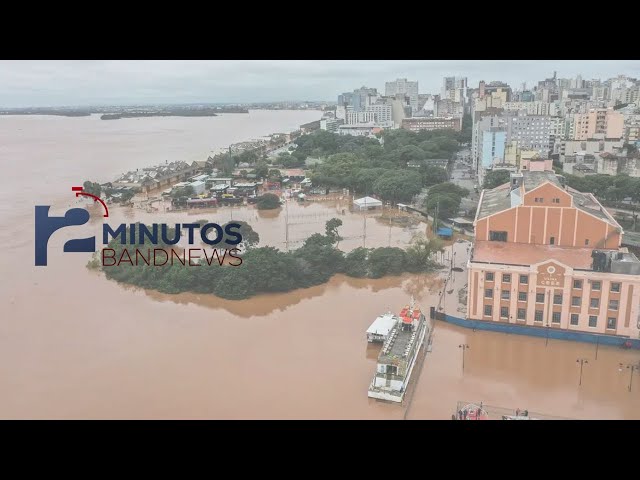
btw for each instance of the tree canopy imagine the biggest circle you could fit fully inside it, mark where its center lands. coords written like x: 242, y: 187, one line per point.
x: 268, y: 201
x: 395, y: 170
x: 267, y: 269
x: 495, y: 178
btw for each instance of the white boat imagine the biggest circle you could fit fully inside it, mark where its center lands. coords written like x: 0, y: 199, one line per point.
x: 399, y: 355
x: 380, y: 328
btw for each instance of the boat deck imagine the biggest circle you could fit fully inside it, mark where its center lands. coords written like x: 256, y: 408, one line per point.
x: 399, y: 344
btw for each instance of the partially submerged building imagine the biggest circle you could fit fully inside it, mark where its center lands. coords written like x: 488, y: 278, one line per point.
x: 546, y: 255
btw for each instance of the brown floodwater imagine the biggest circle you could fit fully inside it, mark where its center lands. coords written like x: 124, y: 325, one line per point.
x: 74, y: 345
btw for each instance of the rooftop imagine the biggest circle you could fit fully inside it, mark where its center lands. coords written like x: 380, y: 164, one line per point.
x: 494, y: 200
x: 529, y: 254
x: 499, y: 199
x: 383, y: 324
x: 535, y: 179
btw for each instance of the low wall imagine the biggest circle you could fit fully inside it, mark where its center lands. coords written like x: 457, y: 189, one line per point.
x: 538, y: 331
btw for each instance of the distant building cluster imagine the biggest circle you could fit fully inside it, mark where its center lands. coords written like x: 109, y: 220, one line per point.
x: 591, y: 126
x: 364, y: 111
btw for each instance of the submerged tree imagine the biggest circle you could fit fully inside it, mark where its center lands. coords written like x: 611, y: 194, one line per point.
x: 331, y: 230
x: 420, y: 251
x: 268, y: 201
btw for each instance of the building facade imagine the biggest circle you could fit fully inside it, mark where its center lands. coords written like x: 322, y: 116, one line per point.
x: 549, y: 256
x: 416, y: 124
x: 454, y: 89
x: 382, y: 111
x: 404, y: 87
x: 598, y: 123
x: 330, y: 124
x: 532, y: 132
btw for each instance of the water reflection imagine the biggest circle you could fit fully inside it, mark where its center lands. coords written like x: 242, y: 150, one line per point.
x: 266, y: 304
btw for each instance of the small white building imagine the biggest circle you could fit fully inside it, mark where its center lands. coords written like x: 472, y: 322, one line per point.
x: 202, y: 178
x: 381, y: 327
x: 198, y: 186
x: 367, y: 203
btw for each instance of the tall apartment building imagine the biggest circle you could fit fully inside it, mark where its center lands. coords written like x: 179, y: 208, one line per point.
x: 483, y: 120
x: 598, y: 123
x: 359, y: 99
x: 493, y: 143
x: 404, y: 87
x: 447, y: 107
x: 454, y: 89
x: 548, y: 256
x: 360, y: 117
x: 532, y: 132
x: 494, y: 89
x: 382, y: 111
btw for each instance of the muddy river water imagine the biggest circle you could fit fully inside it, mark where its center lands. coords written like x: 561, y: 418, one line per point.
x: 74, y: 345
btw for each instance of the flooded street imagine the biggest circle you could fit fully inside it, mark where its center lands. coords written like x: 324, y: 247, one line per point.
x: 75, y: 345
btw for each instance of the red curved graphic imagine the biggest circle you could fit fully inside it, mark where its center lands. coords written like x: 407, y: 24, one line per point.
x: 79, y: 191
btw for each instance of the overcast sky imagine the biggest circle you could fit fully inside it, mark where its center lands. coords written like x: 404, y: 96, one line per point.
x: 82, y: 82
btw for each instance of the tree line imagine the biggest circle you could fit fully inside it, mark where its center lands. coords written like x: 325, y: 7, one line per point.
x: 268, y: 270
x: 395, y: 167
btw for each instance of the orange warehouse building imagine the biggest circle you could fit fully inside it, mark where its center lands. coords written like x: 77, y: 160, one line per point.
x: 547, y: 255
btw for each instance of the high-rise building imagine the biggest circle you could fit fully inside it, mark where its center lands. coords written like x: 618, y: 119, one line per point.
x: 359, y: 99
x: 454, y: 89
x: 532, y: 132
x: 598, y: 123
x: 404, y: 87
x: 548, y: 256
x: 383, y: 113
x: 354, y: 118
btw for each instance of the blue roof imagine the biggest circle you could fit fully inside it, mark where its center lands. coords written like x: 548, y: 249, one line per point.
x: 445, y: 231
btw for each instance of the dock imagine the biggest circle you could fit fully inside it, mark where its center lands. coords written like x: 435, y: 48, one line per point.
x: 489, y: 412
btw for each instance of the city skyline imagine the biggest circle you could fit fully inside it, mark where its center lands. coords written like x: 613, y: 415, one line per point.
x: 115, y: 82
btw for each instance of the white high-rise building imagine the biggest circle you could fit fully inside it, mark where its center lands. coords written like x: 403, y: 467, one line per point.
x: 383, y: 113
x: 454, y: 89
x: 404, y: 87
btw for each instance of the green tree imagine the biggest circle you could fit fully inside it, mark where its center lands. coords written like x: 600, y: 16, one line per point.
x: 250, y: 237
x: 397, y: 186
x: 449, y: 188
x: 446, y: 204
x: 234, y: 283
x: 261, y: 170
x: 364, y: 178
x: 275, y: 175
x: 93, y: 188
x: 410, y: 154
x: 420, y: 251
x: 467, y: 129
x: 331, y: 229
x: 268, y: 201
x: 495, y: 178
x: 386, y: 261
x: 432, y: 175
x: 356, y: 264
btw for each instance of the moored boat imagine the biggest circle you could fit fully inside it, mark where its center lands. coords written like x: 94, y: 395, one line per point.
x: 399, y: 355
